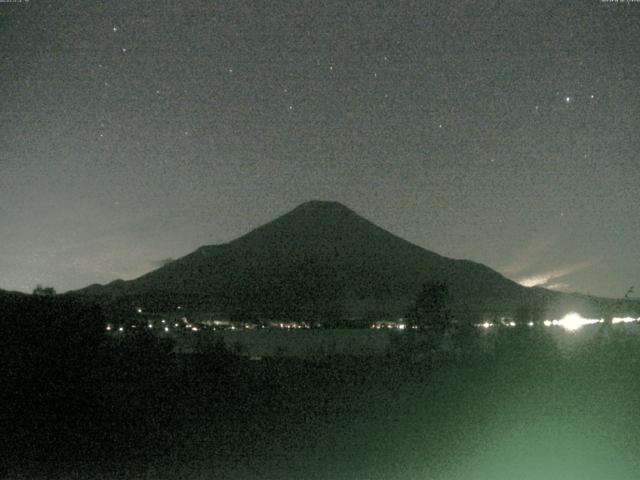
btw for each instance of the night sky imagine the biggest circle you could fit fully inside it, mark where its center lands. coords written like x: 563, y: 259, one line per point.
x: 502, y: 132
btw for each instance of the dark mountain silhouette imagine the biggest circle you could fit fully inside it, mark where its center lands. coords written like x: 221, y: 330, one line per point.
x: 320, y: 259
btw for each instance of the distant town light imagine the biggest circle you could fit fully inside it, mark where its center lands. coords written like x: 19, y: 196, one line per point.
x: 150, y: 325
x: 166, y: 329
x: 108, y: 328
x: 121, y: 329
x: 624, y: 320
x: 139, y: 309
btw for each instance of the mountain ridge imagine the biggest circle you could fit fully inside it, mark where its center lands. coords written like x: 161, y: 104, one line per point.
x: 323, y: 259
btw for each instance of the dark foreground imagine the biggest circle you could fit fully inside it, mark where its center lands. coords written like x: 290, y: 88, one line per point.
x: 521, y: 412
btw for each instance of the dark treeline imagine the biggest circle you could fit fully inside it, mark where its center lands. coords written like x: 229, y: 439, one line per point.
x: 59, y: 369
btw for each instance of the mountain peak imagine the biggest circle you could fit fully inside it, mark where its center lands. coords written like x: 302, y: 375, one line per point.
x: 314, y: 220
x: 322, y: 205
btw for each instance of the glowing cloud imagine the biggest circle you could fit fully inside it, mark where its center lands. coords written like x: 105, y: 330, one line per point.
x: 546, y: 277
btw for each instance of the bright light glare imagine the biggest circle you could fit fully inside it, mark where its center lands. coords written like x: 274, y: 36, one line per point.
x: 574, y: 321
x: 624, y: 320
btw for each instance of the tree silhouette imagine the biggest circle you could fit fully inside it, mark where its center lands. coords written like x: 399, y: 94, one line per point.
x: 44, y: 291
x: 431, y: 312
x: 627, y: 295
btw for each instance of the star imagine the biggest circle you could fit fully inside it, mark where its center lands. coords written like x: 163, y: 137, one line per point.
x: 567, y: 99
x: 115, y: 28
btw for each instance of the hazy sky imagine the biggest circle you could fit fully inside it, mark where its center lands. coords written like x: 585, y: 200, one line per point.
x: 505, y: 132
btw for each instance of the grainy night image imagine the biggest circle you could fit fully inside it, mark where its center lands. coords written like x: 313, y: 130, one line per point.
x: 318, y: 240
